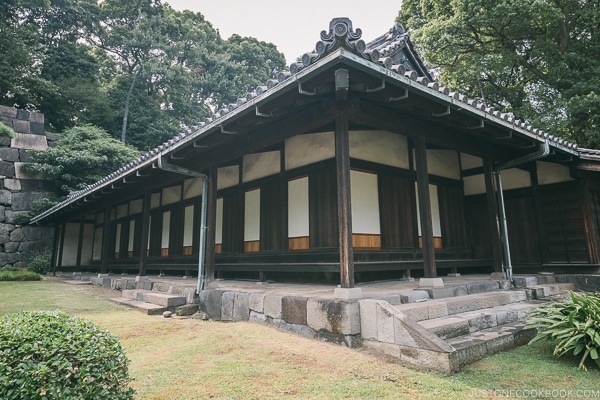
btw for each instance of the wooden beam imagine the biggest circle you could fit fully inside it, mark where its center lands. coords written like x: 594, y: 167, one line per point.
x: 342, y: 162
x: 493, y: 219
x: 425, y: 208
x: 80, y: 241
x: 211, y: 219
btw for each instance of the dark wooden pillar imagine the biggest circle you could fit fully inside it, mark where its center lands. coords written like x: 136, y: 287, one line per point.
x: 342, y: 163
x: 145, y: 233
x: 425, y: 208
x: 211, y: 221
x: 105, y: 242
x: 80, y: 242
x: 61, y: 245
x: 493, y: 218
x: 55, y: 247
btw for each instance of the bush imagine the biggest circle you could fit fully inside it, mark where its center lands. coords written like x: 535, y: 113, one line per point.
x: 18, y: 274
x: 41, y: 262
x: 7, y: 131
x: 51, y: 355
x: 572, y: 326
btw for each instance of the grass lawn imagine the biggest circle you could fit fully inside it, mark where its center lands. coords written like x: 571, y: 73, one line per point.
x: 194, y: 359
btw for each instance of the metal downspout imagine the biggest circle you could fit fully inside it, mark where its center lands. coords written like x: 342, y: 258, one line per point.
x: 165, y: 166
x: 542, y: 151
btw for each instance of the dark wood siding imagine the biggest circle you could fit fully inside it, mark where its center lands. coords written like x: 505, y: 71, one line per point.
x: 563, y: 224
x: 322, y: 194
x: 396, y: 211
x: 452, y: 217
x: 522, y: 230
x: 233, y: 218
x: 271, y: 216
x: 478, y: 227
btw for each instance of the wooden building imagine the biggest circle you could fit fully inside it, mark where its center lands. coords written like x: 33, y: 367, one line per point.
x: 355, y: 164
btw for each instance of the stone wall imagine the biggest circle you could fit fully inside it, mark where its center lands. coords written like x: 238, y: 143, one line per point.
x: 19, y: 189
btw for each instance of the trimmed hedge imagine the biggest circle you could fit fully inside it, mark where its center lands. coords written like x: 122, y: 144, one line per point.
x: 51, y: 355
x: 18, y: 274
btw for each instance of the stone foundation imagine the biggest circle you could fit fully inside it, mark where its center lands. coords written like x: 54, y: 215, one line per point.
x: 19, y: 189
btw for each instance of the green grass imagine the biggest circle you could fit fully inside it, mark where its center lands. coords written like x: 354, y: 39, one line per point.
x: 193, y: 359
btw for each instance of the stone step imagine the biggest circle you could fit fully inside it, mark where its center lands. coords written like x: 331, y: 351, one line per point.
x: 477, y: 345
x: 132, y: 293
x: 161, y: 299
x: 473, y: 321
x: 146, y: 308
x: 455, y: 305
x: 545, y: 290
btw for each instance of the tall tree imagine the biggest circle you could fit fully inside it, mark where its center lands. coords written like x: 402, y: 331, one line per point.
x: 539, y: 59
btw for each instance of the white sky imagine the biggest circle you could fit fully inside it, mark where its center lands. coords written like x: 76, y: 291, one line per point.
x: 293, y: 26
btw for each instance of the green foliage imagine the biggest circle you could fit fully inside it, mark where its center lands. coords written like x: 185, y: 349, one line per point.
x: 38, y: 207
x: 18, y: 274
x: 51, y: 355
x: 81, y: 157
x: 573, y: 326
x: 6, y: 131
x: 41, y: 262
x: 534, y: 58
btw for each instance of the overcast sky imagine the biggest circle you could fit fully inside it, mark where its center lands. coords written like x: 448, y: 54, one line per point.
x: 293, y: 26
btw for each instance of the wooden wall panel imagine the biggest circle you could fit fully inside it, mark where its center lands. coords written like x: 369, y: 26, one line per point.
x: 396, y: 202
x: 522, y: 230
x: 233, y: 230
x: 452, y: 217
x: 299, y: 243
x: 478, y: 228
x: 322, y: 194
x: 363, y: 241
x: 272, y: 236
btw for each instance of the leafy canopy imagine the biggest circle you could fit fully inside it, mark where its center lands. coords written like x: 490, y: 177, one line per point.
x: 82, y: 156
x: 539, y: 59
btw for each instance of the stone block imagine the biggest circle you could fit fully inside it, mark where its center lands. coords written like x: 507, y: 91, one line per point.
x: 17, y: 235
x: 460, y: 290
x: 21, y: 127
x: 7, y: 169
x: 335, y: 316
x: 36, y: 117
x: 414, y: 296
x: 14, y: 185
x: 272, y: 306
x: 431, y: 282
x: 440, y: 292
x: 29, y: 142
x: 210, y: 302
x: 34, y: 246
x: 8, y: 154
x: 368, y: 318
x: 8, y: 112
x: 448, y: 327
x: 5, y: 197
x: 36, y: 128
x: 524, y: 281
x: 189, y: 292
x: 299, y: 329
x: 385, y: 325
x: 187, y: 309
x: 241, y: 308
x: 498, y: 276
x: 475, y: 287
x: 24, y: 200
x: 11, y: 247
x: 257, y: 302
x: 436, y: 310
x: 393, y: 299
x: 143, y: 285
x: 389, y: 349
x: 24, y: 155
x: 8, y: 258
x: 460, y: 305
x: 506, y: 317
x: 22, y: 114
x: 293, y: 309
x: 348, y: 293
x: 227, y: 306
x: 257, y: 317
x: 427, y: 359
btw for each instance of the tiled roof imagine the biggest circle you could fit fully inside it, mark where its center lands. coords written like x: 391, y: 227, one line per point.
x: 392, y: 50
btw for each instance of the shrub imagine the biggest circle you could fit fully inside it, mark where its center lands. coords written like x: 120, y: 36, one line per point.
x: 7, y: 131
x: 572, y: 326
x: 51, y: 355
x: 18, y: 274
x: 41, y: 262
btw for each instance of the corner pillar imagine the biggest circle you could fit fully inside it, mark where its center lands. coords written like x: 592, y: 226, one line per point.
x: 429, y: 265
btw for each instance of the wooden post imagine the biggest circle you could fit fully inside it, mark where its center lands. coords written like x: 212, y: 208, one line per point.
x: 55, y: 247
x: 211, y: 220
x: 430, y: 269
x: 342, y: 163
x: 145, y: 233
x: 80, y: 242
x: 61, y: 244
x: 105, y: 242
x: 492, y: 207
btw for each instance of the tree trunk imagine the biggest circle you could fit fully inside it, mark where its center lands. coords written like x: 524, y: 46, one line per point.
x: 126, y: 112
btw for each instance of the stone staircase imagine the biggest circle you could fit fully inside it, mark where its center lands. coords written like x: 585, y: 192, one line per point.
x: 449, y: 332
x: 149, y: 302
